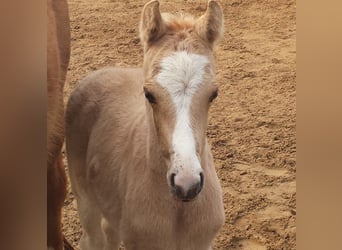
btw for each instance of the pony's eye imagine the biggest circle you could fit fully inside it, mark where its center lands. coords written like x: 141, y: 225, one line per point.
x: 213, y: 96
x: 149, y: 96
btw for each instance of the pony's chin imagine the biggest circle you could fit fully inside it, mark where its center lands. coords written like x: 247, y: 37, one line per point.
x: 187, y: 200
x: 177, y: 199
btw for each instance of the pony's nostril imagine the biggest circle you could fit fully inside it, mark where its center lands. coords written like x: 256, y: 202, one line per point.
x: 202, y: 180
x: 172, y: 179
x: 194, y: 191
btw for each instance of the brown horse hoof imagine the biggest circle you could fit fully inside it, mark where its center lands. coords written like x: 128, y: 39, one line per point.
x: 67, y: 245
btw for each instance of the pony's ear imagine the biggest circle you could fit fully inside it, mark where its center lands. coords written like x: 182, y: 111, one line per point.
x: 210, y: 25
x: 152, y: 26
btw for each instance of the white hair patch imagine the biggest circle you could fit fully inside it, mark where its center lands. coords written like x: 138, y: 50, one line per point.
x: 181, y: 75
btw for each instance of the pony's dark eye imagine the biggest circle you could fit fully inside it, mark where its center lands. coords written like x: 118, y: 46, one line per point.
x: 213, y: 96
x: 149, y: 96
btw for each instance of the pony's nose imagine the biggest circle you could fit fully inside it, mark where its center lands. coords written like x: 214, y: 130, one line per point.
x: 187, y: 187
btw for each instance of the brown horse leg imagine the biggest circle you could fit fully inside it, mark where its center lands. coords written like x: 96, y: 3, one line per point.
x: 56, y: 189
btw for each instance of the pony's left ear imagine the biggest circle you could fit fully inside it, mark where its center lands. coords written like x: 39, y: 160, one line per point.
x: 152, y: 26
x: 210, y: 25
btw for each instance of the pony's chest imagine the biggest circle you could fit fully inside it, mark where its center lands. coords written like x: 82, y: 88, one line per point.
x: 175, y: 218
x: 204, y: 219
x: 170, y: 229
x: 155, y: 213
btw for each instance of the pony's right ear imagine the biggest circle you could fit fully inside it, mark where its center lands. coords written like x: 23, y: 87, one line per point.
x: 152, y: 26
x: 210, y: 25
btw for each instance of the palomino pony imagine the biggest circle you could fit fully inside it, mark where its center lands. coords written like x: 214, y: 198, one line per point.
x: 58, y: 54
x: 140, y: 165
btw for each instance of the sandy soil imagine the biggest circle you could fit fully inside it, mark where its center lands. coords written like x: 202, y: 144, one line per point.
x: 252, y: 123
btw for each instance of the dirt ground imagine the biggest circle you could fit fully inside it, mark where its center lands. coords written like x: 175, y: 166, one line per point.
x: 252, y: 123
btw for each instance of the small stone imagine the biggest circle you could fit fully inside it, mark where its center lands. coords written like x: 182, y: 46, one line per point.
x: 275, y: 60
x: 261, y: 123
x: 238, y: 119
x: 230, y: 155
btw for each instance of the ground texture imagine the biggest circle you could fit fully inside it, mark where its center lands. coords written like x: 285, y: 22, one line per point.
x: 252, y: 123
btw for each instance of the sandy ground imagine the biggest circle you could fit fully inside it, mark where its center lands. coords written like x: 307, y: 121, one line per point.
x: 252, y: 123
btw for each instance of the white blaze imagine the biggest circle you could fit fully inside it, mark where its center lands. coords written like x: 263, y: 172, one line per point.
x: 181, y: 75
